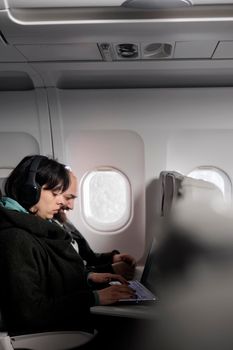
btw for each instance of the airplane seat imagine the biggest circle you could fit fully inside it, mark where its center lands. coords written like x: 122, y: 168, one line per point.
x: 170, y: 184
x: 176, y: 186
x: 55, y: 340
x: 67, y: 340
x: 2, y: 181
x: 197, y: 229
x: 199, y: 190
x: 198, y: 198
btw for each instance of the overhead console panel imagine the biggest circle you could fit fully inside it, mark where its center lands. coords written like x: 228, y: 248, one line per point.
x: 74, y: 43
x: 145, y: 4
x: 110, y: 24
x: 61, y: 52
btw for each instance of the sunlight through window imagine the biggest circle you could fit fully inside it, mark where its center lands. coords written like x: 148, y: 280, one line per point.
x: 106, y: 199
x: 216, y: 176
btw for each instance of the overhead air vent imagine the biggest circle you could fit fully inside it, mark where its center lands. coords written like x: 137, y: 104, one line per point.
x: 143, y: 51
x: 156, y: 51
x: 127, y: 51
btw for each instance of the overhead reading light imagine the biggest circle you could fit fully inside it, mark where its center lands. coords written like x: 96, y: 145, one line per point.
x: 156, y: 4
x: 127, y: 50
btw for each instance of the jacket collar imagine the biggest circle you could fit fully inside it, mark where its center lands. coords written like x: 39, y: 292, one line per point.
x: 10, y: 203
x: 33, y: 224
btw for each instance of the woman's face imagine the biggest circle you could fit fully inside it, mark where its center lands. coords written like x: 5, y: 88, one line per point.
x: 49, y: 204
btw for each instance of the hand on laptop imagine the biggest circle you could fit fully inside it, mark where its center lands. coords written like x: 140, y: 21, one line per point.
x: 127, y: 258
x: 114, y: 293
x: 106, y: 278
x: 124, y: 269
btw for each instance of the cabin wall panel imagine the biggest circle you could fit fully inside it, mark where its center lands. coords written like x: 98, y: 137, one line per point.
x: 124, y: 151
x: 188, y: 149
x: 179, y: 127
x: 25, y: 112
x: 157, y: 115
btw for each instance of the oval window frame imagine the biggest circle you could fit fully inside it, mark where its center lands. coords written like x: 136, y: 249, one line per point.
x: 92, y: 222
x: 227, y: 190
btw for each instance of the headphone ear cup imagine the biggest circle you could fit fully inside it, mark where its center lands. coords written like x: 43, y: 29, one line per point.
x: 30, y: 195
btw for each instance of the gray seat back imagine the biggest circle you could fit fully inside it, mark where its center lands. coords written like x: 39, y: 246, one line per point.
x: 2, y: 183
x: 170, y: 182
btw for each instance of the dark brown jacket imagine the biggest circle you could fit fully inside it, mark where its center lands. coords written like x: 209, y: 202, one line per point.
x: 43, y: 279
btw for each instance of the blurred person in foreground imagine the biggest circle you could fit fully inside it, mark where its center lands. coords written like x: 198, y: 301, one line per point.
x: 195, y: 260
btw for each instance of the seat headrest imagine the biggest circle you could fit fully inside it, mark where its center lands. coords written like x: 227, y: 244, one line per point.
x: 170, y: 185
x: 2, y: 183
x: 199, y: 190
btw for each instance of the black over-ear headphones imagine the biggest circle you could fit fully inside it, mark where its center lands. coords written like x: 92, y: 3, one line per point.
x: 31, y: 190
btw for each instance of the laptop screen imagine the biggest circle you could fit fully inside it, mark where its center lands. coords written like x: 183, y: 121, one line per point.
x: 150, y: 275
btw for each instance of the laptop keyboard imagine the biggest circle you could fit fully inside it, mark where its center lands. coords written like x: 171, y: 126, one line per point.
x: 141, y: 292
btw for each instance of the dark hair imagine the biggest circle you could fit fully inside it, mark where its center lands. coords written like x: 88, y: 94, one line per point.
x: 50, y: 173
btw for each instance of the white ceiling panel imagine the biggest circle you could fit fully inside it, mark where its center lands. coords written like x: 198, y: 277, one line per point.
x: 100, y: 3
x: 224, y: 50
x: 53, y: 52
x: 194, y: 49
x: 212, y: 2
x: 9, y: 53
x: 62, y: 3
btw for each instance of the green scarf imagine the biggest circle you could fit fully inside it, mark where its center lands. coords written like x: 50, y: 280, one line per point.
x: 11, y: 204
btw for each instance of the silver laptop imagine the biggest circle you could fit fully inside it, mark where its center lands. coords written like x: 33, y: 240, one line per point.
x: 145, y: 288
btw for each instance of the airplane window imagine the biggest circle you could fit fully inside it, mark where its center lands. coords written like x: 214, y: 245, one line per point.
x: 217, y: 177
x: 105, y: 199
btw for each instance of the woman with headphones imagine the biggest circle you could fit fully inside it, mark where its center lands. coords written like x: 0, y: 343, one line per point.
x: 45, y: 285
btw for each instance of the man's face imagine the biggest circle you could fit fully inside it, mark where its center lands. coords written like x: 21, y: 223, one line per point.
x: 71, y: 193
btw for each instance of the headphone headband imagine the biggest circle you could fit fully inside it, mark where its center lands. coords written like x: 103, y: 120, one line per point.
x: 31, y: 190
x: 35, y: 164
